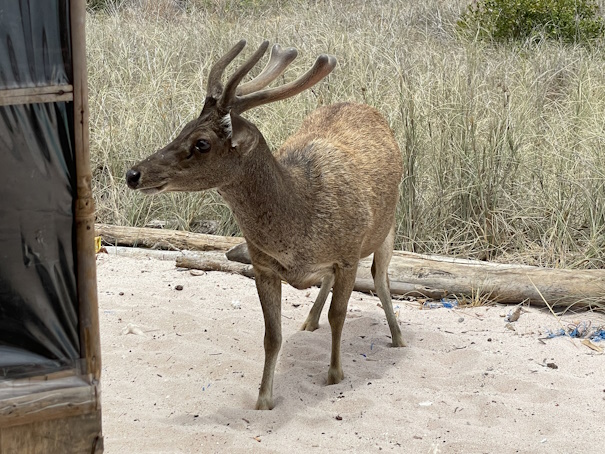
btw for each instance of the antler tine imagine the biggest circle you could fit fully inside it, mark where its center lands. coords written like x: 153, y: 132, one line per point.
x: 231, y: 86
x: 214, y: 88
x: 322, y: 67
x: 278, y: 62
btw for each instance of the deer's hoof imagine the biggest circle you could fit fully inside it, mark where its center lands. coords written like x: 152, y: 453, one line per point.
x: 335, y: 375
x: 398, y: 342
x: 309, y: 326
x: 264, y: 403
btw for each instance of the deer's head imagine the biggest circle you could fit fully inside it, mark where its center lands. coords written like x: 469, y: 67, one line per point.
x: 209, y: 150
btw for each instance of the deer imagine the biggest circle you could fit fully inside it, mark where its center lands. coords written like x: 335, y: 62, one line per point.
x: 308, y: 212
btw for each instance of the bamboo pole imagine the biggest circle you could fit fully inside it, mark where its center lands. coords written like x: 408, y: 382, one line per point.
x: 90, y: 344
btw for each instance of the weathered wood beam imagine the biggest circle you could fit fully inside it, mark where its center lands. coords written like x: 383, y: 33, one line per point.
x: 23, y: 402
x: 31, y: 95
x: 172, y: 240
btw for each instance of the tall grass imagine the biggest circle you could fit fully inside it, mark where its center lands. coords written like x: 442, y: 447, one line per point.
x: 504, y: 146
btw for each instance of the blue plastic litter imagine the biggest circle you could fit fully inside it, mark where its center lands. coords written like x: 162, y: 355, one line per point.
x: 551, y: 334
x: 598, y: 335
x: 446, y: 303
x: 579, y: 331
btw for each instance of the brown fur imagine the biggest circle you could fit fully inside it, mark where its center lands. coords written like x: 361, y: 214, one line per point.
x: 325, y: 199
x: 336, y: 185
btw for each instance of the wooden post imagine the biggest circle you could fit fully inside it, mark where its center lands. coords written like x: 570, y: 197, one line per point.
x: 85, y: 211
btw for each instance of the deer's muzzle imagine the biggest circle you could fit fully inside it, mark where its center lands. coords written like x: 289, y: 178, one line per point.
x: 133, y: 177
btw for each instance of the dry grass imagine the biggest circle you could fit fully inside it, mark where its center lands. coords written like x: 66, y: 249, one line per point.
x: 504, y: 145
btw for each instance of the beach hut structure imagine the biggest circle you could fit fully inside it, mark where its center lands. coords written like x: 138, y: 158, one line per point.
x: 50, y: 362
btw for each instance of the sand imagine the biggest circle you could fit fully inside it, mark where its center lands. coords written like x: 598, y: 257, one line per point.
x: 182, y: 365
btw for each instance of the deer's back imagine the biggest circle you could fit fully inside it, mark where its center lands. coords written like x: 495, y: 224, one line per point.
x: 348, y: 167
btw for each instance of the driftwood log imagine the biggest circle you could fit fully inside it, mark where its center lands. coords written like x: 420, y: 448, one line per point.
x: 203, y: 263
x: 434, y: 276
x: 200, y: 262
x: 410, y: 274
x: 171, y: 240
x: 497, y: 282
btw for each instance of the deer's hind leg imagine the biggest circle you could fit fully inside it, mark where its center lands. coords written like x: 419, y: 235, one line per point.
x: 312, y: 321
x: 380, y: 268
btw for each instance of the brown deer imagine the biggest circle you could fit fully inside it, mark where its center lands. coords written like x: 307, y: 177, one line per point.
x: 310, y: 211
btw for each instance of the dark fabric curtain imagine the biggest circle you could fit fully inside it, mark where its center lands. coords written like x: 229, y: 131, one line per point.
x: 35, y: 43
x: 38, y: 292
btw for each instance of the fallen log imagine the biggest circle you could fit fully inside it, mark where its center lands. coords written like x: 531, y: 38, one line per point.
x: 498, y: 282
x: 126, y: 251
x: 171, y: 240
x: 412, y: 274
x: 416, y: 274
x: 201, y: 262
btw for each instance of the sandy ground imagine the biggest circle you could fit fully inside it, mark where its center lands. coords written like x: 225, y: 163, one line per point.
x: 181, y: 369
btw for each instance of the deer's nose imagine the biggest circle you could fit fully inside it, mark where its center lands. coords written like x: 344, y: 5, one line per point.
x: 132, y: 178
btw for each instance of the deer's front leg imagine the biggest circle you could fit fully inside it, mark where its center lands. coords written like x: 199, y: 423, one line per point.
x: 343, y: 286
x: 268, y: 286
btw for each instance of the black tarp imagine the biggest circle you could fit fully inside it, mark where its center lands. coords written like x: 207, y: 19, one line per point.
x: 35, y: 47
x: 38, y: 292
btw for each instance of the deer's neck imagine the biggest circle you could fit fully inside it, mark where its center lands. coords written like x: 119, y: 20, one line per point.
x: 263, y: 200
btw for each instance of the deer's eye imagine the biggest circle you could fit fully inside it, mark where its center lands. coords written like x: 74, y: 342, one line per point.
x: 202, y: 146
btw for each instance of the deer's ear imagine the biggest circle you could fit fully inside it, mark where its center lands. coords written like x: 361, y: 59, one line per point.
x: 242, y: 137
